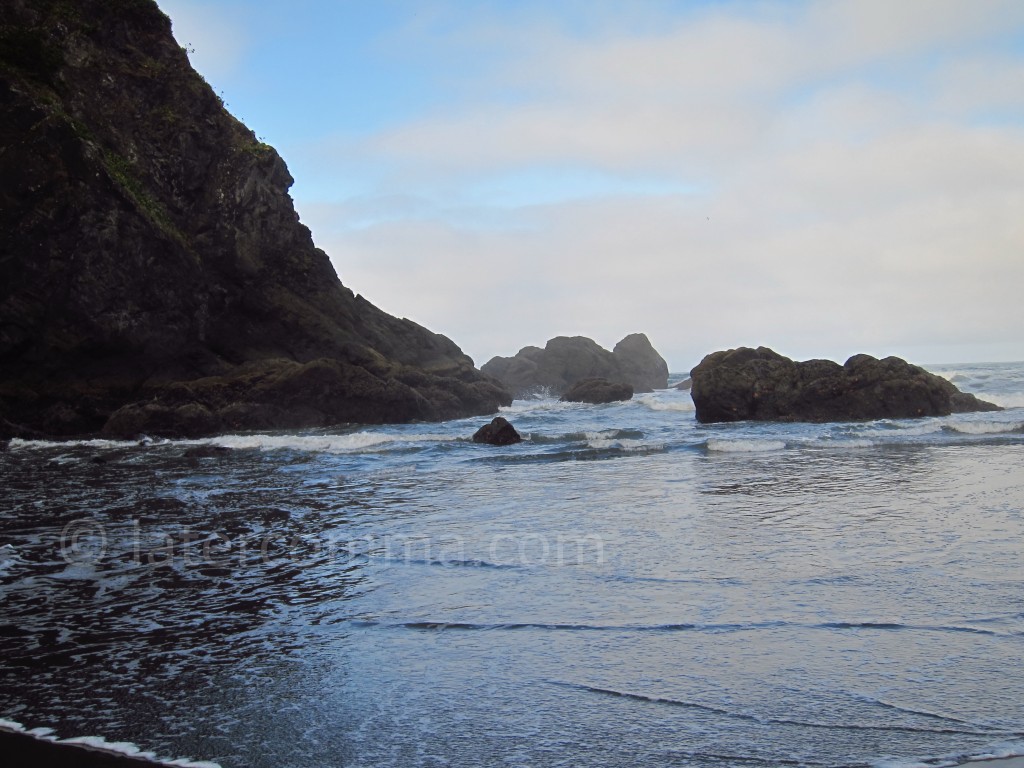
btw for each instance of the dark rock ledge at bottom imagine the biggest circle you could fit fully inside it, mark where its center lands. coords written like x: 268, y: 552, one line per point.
x: 284, y: 394
x: 761, y: 385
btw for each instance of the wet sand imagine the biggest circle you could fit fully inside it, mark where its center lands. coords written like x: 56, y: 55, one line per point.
x: 23, y: 750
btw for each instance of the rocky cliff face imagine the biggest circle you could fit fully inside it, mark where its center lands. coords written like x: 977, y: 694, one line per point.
x: 154, y: 275
x: 762, y: 385
x: 566, y: 360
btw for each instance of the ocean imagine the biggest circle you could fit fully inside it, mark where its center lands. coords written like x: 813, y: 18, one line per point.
x: 626, y: 587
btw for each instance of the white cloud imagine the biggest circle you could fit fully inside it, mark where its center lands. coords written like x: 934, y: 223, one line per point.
x: 704, y: 84
x: 859, y: 31
x: 907, y: 276
x: 847, y: 193
x: 989, y: 86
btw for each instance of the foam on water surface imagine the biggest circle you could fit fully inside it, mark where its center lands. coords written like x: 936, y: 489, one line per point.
x: 1002, y: 751
x: 626, y: 587
x: 126, y: 748
x: 357, y: 441
x: 987, y: 427
x: 744, y: 446
x: 670, y: 400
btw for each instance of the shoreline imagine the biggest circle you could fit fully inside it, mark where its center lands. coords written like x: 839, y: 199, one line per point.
x: 22, y: 749
x: 25, y: 748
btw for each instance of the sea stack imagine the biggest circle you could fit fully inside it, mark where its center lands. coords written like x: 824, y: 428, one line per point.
x: 566, y: 360
x: 154, y: 275
x: 597, y: 392
x: 762, y: 385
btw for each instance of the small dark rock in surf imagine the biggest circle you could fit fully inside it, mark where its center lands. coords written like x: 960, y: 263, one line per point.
x: 498, y: 432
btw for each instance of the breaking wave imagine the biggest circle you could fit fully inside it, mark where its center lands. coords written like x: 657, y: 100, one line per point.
x: 744, y: 446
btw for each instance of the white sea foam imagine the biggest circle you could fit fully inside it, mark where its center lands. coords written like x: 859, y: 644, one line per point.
x: 630, y: 446
x: 98, y: 742
x: 672, y: 403
x: 896, y: 429
x: 319, y: 443
x: 17, y: 444
x: 955, y: 376
x: 829, y: 442
x: 121, y: 747
x: 355, y: 441
x: 986, y: 427
x: 744, y: 446
x: 604, y: 434
x: 127, y: 748
x: 855, y: 442
x: 997, y: 752
x: 9, y: 558
x: 539, y: 406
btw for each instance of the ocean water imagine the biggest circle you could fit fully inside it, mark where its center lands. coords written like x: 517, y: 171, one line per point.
x: 624, y: 588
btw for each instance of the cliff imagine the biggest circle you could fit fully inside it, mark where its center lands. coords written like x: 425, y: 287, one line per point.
x: 154, y: 275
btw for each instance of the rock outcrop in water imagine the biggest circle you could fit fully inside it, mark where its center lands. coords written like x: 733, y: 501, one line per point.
x: 597, y: 391
x: 762, y: 385
x: 154, y: 275
x: 641, y: 365
x: 566, y: 360
x: 498, y: 432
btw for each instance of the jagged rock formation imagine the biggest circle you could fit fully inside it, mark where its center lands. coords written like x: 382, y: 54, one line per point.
x: 762, y: 385
x: 641, y: 365
x: 597, y: 391
x: 154, y: 275
x: 566, y: 360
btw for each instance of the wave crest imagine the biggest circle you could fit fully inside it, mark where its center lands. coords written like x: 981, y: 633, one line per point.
x: 744, y: 446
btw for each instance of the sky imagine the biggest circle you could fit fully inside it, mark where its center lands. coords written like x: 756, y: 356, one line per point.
x: 824, y: 178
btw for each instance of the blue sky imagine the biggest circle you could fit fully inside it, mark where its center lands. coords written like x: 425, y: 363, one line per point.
x: 821, y: 177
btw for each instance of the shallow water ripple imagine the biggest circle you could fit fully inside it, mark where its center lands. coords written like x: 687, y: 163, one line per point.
x: 619, y: 590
